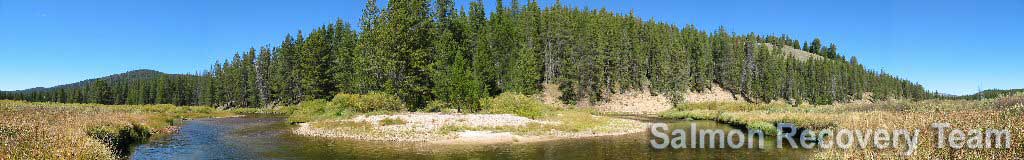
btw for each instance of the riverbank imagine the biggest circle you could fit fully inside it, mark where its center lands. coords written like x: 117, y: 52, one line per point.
x: 272, y: 137
x: 920, y: 115
x: 32, y: 130
x: 453, y: 128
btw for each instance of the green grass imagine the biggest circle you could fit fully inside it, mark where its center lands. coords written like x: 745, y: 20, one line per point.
x: 515, y: 103
x: 761, y: 117
x: 121, y: 137
x: 392, y: 121
x: 343, y: 106
x: 316, y: 110
x: 282, y: 110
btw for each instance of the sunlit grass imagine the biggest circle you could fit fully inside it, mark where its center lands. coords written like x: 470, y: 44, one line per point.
x: 900, y: 114
x: 278, y: 111
x: 34, y: 130
x: 392, y: 121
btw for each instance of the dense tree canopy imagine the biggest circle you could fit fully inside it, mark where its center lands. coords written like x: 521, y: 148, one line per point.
x: 430, y: 52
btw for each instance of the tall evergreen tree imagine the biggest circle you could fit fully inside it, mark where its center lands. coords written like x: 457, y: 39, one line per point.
x: 100, y: 93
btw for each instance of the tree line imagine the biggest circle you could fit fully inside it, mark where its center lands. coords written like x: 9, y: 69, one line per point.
x: 134, y: 87
x: 430, y: 52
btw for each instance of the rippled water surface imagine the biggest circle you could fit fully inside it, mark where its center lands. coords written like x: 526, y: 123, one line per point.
x: 255, y: 137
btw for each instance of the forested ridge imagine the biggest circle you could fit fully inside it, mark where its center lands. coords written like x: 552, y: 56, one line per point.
x: 133, y: 87
x: 430, y: 52
x: 988, y: 93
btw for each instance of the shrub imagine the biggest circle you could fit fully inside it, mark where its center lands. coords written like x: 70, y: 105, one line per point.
x: 346, y: 100
x: 439, y: 106
x: 514, y: 103
x: 434, y: 106
x: 378, y: 101
x: 342, y: 105
x: 371, y: 102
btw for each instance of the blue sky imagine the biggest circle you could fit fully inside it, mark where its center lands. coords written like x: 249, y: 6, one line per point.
x: 949, y: 46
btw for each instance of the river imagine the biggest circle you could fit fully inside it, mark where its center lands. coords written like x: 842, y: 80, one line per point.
x: 268, y: 137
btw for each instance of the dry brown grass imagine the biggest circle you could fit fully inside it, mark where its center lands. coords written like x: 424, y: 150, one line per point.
x: 1009, y: 101
x: 81, y: 131
x: 961, y: 114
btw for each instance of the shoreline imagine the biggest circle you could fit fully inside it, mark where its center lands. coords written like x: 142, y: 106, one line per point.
x: 613, y: 127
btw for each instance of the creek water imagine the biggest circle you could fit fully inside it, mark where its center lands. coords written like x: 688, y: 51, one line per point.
x: 268, y: 137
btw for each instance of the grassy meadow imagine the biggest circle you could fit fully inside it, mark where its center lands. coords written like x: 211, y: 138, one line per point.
x: 39, y: 130
x: 1000, y: 113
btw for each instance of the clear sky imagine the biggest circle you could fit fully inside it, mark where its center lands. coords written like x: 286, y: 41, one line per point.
x: 949, y: 46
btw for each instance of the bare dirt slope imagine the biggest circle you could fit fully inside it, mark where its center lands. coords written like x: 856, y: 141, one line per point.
x: 550, y: 93
x: 642, y: 102
x: 635, y: 102
x: 715, y: 94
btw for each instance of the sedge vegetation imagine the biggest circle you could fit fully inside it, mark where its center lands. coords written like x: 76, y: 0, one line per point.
x: 430, y: 54
x: 38, y: 130
x: 997, y: 113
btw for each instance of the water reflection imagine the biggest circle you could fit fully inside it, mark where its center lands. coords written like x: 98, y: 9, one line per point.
x: 269, y: 138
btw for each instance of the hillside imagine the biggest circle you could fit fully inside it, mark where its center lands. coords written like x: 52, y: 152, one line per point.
x: 990, y: 93
x: 135, y: 75
x: 133, y: 87
x: 796, y: 53
x: 463, y: 56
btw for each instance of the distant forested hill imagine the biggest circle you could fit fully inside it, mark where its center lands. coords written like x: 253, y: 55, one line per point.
x: 133, y: 87
x: 142, y: 74
x: 990, y: 93
x: 430, y: 52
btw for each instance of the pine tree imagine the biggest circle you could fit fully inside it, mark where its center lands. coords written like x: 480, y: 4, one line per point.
x: 816, y: 47
x: 455, y: 58
x: 344, y: 65
x: 250, y: 92
x: 100, y: 92
x: 404, y: 50
x: 263, y: 72
x: 284, y: 84
x: 453, y: 79
x: 367, y: 66
x: 525, y: 71
x: 315, y: 60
